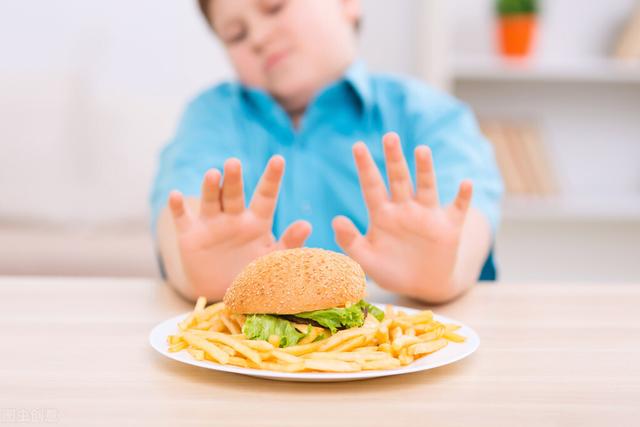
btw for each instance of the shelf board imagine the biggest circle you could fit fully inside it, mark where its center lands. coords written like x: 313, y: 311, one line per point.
x: 559, y: 208
x: 594, y: 70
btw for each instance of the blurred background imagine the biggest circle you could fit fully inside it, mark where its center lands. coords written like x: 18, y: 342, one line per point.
x: 91, y: 90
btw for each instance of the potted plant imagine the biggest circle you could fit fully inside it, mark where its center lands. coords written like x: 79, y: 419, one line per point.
x: 517, y: 24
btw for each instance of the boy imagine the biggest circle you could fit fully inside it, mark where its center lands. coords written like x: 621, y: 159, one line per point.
x: 304, y: 99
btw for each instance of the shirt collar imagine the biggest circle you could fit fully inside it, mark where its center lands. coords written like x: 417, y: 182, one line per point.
x: 358, y: 78
x: 262, y: 102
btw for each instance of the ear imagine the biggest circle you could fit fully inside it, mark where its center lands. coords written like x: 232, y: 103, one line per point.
x: 352, y: 10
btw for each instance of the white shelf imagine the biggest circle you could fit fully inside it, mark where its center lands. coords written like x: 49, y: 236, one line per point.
x: 562, y: 208
x: 595, y: 70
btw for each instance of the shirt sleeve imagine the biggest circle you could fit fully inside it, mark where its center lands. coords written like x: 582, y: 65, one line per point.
x: 460, y: 151
x: 201, y: 142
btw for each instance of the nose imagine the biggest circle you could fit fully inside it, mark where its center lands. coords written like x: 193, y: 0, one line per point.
x: 260, y: 34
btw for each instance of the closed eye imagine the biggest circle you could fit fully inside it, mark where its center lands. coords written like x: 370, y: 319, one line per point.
x: 272, y: 7
x: 234, y: 33
x: 236, y: 37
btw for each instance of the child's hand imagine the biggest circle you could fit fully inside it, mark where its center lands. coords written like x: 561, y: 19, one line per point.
x: 216, y: 243
x: 412, y: 242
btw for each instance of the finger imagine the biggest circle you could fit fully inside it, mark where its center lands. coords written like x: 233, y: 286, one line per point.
x: 179, y: 212
x: 232, y: 191
x: 350, y: 240
x: 371, y: 182
x: 397, y: 170
x: 460, y: 205
x: 264, y: 199
x: 426, y: 188
x: 295, y: 235
x: 210, y: 199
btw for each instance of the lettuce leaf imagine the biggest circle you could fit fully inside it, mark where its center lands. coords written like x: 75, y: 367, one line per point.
x: 262, y: 326
x: 342, y: 318
x: 375, y: 311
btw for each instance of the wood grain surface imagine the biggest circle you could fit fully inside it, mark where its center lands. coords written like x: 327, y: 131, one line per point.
x: 75, y: 352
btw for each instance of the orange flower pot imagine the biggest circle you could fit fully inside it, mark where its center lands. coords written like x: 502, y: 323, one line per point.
x: 516, y: 34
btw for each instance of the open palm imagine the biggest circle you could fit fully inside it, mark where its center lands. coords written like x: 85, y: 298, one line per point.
x: 216, y: 244
x: 412, y: 241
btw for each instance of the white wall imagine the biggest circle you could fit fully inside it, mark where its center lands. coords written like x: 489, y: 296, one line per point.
x: 591, y: 129
x: 92, y: 89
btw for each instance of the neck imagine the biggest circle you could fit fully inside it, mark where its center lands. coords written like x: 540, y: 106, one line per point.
x: 296, y: 117
x: 296, y: 108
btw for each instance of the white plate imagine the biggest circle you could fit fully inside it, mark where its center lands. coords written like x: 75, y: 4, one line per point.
x: 450, y: 354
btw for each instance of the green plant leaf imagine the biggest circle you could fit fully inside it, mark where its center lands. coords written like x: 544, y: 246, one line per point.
x: 516, y: 7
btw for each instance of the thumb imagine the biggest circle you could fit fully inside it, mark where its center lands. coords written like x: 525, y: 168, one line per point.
x: 295, y: 235
x: 349, y: 238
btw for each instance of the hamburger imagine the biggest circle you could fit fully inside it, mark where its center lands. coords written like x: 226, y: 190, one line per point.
x: 286, y: 293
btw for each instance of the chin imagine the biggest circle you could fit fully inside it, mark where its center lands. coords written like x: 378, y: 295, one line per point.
x: 297, y: 92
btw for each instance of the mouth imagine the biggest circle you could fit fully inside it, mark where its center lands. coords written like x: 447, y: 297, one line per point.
x: 274, y: 59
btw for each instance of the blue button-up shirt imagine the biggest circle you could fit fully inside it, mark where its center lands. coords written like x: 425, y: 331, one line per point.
x: 320, y: 179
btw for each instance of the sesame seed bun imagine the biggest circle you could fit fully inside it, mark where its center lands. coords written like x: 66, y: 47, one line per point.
x: 296, y: 280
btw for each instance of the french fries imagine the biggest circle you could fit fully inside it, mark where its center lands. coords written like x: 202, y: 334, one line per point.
x: 195, y: 353
x: 211, y: 333
x: 351, y: 356
x: 345, y: 335
x: 300, y: 349
x: 311, y: 337
x: 274, y: 340
x: 329, y: 365
x: 209, y: 348
x: 285, y: 357
x: 427, y: 347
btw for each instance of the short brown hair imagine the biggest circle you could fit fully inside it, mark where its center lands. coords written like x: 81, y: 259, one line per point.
x: 204, y: 8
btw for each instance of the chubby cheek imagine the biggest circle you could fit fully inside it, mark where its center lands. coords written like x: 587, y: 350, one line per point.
x: 248, y: 68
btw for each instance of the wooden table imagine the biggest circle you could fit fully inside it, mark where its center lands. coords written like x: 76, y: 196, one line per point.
x: 75, y: 352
